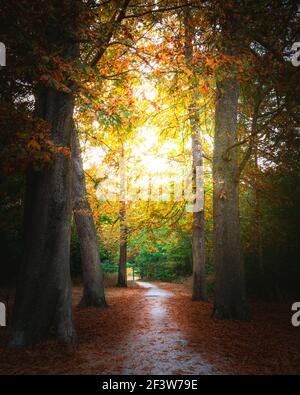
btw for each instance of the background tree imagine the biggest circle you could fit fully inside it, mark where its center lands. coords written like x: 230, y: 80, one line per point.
x: 93, y: 291
x: 198, y: 238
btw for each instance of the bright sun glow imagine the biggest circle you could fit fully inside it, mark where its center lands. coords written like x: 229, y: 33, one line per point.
x: 146, y: 91
x: 96, y: 124
x: 92, y: 157
x: 155, y: 165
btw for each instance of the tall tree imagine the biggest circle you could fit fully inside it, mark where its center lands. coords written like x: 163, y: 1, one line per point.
x: 93, y: 292
x: 230, y: 295
x: 93, y: 284
x: 43, y: 298
x: 122, y: 272
x: 198, y: 239
x: 240, y: 26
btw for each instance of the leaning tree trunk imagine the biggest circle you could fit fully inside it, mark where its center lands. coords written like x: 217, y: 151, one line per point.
x: 43, y: 296
x: 198, y: 237
x: 230, y: 295
x: 93, y: 291
x: 122, y: 273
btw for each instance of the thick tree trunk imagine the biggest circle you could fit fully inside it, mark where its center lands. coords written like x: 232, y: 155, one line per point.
x: 93, y: 291
x: 122, y: 274
x: 230, y: 295
x: 198, y: 240
x: 43, y: 297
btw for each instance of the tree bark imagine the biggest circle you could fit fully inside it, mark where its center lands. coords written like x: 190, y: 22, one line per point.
x: 260, y: 252
x: 122, y: 273
x: 230, y: 295
x: 93, y: 283
x: 198, y: 237
x: 43, y: 296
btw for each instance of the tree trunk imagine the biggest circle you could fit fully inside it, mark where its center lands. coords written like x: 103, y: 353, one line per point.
x: 122, y: 274
x: 43, y: 297
x: 93, y: 291
x: 198, y: 246
x: 198, y: 238
x: 259, y: 226
x: 230, y: 295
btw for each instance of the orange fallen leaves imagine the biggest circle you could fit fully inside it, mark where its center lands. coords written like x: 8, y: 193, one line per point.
x: 267, y: 345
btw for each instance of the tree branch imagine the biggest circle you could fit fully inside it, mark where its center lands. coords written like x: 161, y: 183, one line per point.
x: 114, y: 23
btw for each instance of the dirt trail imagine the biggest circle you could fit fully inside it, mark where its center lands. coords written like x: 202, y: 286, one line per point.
x: 157, y: 346
x: 157, y: 329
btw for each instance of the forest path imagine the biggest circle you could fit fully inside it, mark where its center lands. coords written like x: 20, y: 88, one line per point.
x: 155, y: 328
x: 157, y: 344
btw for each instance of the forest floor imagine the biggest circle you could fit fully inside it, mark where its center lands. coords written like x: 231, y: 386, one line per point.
x: 156, y: 329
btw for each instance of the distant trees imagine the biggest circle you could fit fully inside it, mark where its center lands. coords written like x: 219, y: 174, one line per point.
x: 122, y: 270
